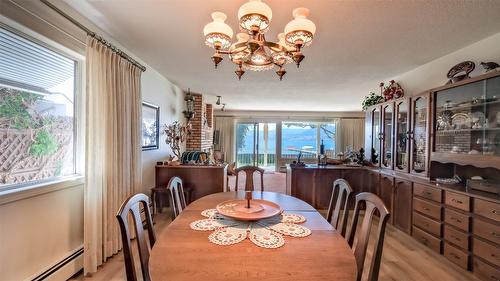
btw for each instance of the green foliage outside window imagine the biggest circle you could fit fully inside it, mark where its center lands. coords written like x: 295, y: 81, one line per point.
x: 17, y: 111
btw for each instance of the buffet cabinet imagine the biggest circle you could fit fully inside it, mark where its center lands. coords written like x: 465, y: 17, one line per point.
x: 417, y: 141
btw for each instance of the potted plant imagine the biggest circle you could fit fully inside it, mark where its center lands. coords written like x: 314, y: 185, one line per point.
x: 371, y: 99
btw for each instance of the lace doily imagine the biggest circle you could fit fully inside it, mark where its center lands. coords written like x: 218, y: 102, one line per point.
x: 266, y: 233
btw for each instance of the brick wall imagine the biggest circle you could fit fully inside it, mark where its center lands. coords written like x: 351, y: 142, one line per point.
x: 201, y: 138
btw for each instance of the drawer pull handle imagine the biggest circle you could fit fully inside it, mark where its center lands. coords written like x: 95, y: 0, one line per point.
x: 455, y: 256
x: 457, y: 201
x: 425, y: 208
x: 457, y: 220
x: 496, y: 212
x: 456, y: 238
x: 494, y: 278
x: 427, y: 193
x: 495, y: 234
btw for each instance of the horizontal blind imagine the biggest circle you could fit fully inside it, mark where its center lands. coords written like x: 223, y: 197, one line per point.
x: 27, y: 63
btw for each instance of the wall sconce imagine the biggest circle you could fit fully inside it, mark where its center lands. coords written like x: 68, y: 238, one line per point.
x: 189, y: 112
x: 218, y: 100
x: 223, y: 107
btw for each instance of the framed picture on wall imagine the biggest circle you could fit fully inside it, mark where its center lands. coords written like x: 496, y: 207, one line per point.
x: 150, y: 126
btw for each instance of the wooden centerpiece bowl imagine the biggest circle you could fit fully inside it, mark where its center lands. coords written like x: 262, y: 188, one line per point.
x: 249, y: 209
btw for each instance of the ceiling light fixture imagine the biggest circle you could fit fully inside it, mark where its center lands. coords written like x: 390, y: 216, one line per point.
x: 218, y: 100
x: 251, y: 50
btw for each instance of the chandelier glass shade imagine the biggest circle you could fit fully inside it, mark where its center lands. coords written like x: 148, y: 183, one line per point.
x: 252, y: 51
x: 217, y: 33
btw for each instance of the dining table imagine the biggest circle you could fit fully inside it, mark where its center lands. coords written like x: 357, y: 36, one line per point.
x: 181, y: 253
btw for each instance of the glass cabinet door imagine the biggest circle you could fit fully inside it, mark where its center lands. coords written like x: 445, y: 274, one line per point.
x: 468, y: 119
x: 418, y: 134
x: 402, y: 130
x: 388, y: 117
x: 375, y: 153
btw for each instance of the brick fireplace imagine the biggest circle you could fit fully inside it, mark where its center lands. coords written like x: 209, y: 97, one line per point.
x: 201, y: 138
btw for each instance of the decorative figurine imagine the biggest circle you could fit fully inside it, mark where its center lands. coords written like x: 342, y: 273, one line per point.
x: 490, y: 66
x: 460, y: 72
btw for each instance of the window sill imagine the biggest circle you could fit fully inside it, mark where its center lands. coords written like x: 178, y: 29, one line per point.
x: 9, y: 196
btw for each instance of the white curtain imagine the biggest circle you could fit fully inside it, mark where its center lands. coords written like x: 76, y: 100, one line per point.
x: 113, y: 148
x: 351, y: 133
x: 225, y: 126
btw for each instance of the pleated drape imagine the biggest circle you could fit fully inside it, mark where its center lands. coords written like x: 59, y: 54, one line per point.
x: 225, y: 125
x: 113, y: 150
x: 351, y: 133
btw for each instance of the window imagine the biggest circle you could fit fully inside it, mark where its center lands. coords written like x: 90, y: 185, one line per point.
x: 306, y: 137
x: 37, y: 102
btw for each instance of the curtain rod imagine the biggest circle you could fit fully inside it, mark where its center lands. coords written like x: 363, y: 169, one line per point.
x: 94, y: 35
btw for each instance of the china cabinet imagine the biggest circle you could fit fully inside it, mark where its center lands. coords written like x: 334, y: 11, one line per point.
x: 467, y: 123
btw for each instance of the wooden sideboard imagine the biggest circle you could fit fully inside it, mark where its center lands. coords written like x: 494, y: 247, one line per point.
x: 462, y: 225
x: 204, y: 180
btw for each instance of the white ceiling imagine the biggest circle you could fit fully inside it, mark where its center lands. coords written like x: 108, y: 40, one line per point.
x: 357, y: 45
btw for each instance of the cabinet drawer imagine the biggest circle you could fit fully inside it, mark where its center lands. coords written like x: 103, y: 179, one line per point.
x: 487, y: 209
x: 457, y: 219
x: 427, y: 239
x: 428, y: 208
x: 459, y: 201
x: 485, y: 271
x: 427, y: 192
x: 456, y: 237
x: 486, y: 230
x: 427, y: 224
x: 456, y: 256
x: 488, y: 252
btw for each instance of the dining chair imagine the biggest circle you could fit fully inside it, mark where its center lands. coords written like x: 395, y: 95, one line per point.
x: 158, y: 202
x: 372, y: 203
x: 341, y: 193
x: 133, y: 205
x: 176, y: 195
x: 249, y: 171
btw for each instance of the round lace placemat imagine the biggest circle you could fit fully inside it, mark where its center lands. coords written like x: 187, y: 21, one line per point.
x: 266, y: 233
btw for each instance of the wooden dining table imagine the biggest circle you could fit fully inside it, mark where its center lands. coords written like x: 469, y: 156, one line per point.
x: 181, y: 253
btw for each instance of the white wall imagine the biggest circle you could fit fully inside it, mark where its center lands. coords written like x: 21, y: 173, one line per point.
x: 159, y: 91
x: 433, y: 74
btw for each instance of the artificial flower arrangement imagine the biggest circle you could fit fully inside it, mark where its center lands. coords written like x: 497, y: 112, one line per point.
x: 391, y: 91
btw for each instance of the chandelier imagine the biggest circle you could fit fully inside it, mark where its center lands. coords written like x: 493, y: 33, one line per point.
x: 251, y: 50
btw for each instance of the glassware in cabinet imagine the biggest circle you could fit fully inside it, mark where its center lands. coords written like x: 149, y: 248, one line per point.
x: 402, y: 143
x: 387, y: 137
x: 419, y: 134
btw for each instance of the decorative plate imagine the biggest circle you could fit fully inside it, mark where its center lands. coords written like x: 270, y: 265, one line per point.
x: 460, y: 121
x: 259, y: 209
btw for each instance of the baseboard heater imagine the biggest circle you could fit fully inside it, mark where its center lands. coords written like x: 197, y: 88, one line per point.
x: 50, y: 272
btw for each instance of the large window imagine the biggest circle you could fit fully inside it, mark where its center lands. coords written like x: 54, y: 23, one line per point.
x: 37, y: 102
x: 306, y: 138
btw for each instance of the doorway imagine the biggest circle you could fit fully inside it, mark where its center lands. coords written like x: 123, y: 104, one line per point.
x: 256, y: 145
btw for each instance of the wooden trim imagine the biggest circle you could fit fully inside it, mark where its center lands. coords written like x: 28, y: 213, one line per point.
x: 480, y: 161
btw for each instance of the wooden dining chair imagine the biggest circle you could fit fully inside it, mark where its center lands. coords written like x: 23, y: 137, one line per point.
x: 341, y: 193
x: 133, y: 205
x: 249, y: 171
x: 372, y: 203
x: 176, y: 196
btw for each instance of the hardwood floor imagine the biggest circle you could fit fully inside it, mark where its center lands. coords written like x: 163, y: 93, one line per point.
x: 403, y: 259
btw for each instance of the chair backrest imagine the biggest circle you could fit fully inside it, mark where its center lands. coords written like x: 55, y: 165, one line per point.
x: 176, y: 196
x: 373, y: 203
x: 341, y: 193
x: 249, y: 171
x: 133, y: 206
